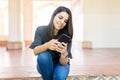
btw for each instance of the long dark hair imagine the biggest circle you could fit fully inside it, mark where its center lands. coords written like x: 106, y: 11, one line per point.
x: 68, y: 29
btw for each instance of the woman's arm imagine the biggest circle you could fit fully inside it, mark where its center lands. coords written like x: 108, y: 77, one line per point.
x: 40, y: 48
x: 51, y: 45
x: 64, y: 59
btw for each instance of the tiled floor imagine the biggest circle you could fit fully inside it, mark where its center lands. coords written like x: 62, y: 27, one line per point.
x: 85, y: 62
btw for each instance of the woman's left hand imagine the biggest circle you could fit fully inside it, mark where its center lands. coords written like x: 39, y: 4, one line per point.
x: 62, y: 48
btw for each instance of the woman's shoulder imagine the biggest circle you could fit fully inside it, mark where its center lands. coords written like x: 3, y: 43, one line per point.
x: 41, y: 28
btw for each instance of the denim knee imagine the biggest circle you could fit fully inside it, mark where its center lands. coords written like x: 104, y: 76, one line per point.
x: 45, y: 65
x: 44, y: 57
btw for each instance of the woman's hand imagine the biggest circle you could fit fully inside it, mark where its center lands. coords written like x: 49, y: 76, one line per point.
x: 48, y: 45
x: 62, y: 48
x: 52, y: 44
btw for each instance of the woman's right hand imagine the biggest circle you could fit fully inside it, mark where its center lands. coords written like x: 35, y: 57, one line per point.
x: 52, y: 44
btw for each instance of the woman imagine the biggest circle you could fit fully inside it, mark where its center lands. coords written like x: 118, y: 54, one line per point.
x: 52, y: 55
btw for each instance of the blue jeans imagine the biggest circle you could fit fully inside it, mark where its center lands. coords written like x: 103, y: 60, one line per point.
x: 50, y: 70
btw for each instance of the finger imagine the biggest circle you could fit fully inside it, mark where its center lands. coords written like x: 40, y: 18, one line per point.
x: 56, y: 41
x: 61, y: 46
x: 59, y: 50
x: 65, y: 44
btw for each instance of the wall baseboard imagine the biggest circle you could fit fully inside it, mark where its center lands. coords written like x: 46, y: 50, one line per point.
x: 14, y: 45
x: 87, y: 44
x: 28, y: 42
x: 3, y: 43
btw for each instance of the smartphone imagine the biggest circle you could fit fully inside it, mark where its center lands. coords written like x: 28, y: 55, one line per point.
x: 64, y: 38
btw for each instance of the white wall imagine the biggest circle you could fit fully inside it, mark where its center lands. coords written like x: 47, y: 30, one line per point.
x: 102, y: 23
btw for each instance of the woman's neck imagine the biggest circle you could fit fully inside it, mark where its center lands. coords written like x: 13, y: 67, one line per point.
x: 56, y: 31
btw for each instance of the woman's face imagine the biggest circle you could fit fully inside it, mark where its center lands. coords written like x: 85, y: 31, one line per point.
x: 60, y: 20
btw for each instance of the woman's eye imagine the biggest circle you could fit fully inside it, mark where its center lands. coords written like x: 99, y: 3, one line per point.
x: 60, y: 17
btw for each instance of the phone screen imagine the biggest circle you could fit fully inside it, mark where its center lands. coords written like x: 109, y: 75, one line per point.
x: 64, y: 38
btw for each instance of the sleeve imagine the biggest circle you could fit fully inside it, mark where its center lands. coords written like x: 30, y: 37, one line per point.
x: 69, y: 50
x: 37, y: 39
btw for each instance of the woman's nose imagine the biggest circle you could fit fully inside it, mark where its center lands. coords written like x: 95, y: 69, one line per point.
x: 62, y: 21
